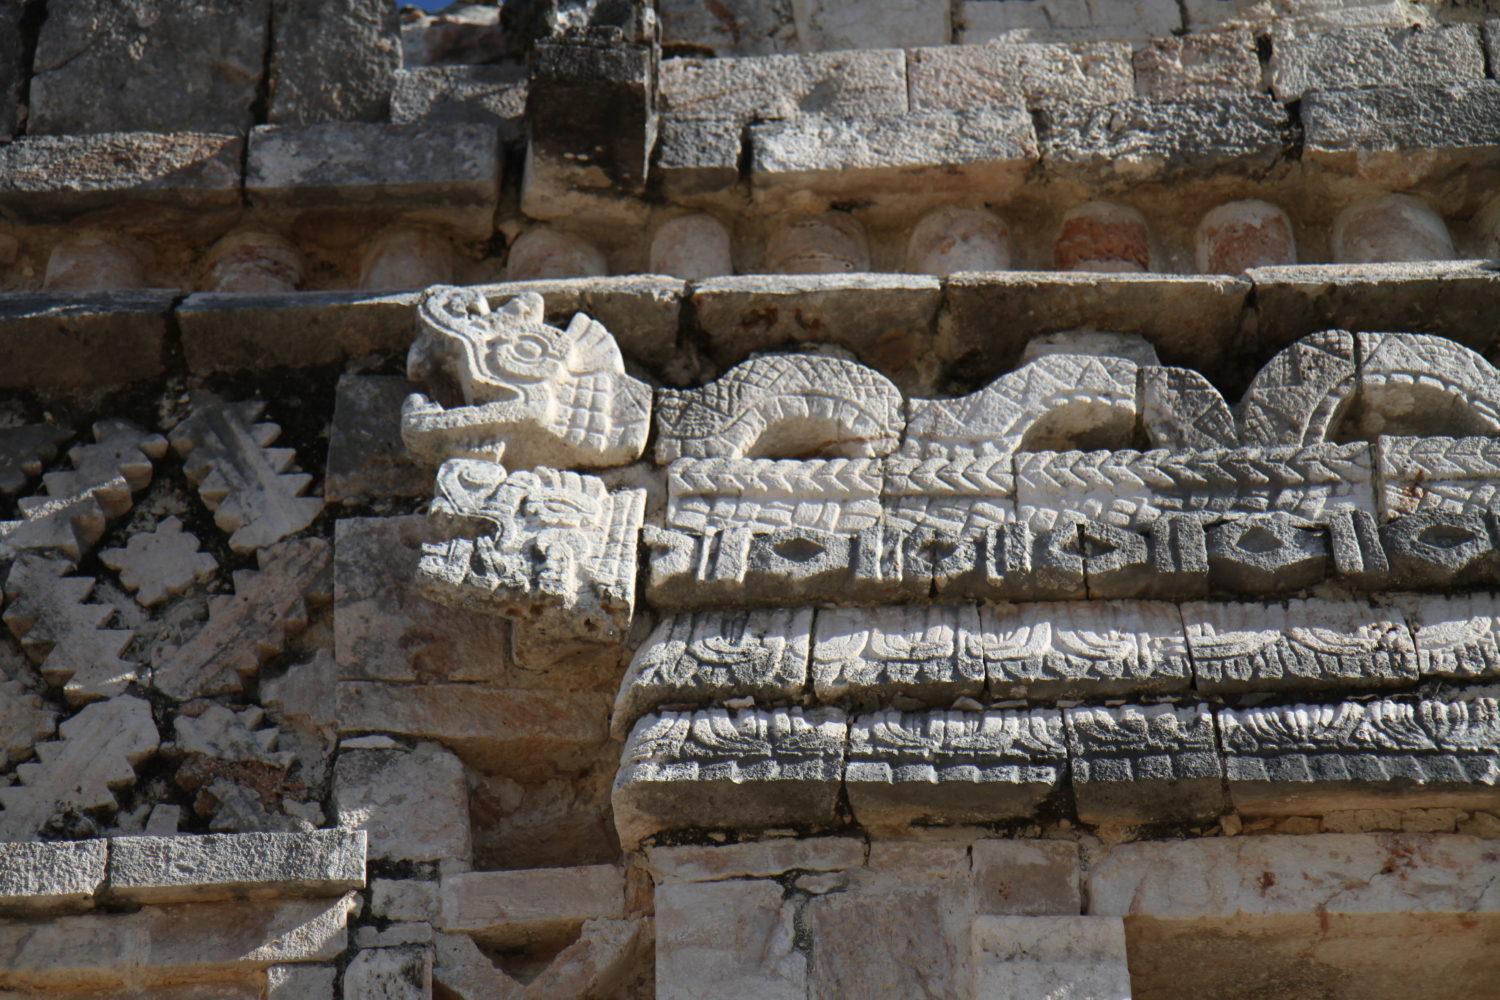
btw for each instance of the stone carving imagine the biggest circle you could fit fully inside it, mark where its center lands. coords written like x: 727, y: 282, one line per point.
x: 159, y: 563
x: 25, y: 450
x: 97, y: 752
x: 1137, y: 764
x: 246, y: 629
x: 49, y: 612
x: 716, y: 655
x: 555, y: 550
x: 1316, y: 758
x: 1455, y: 475
x: 1298, y: 645
x: 1072, y: 649
x: 782, y: 406
x: 520, y: 390
x: 66, y: 528
x: 911, y: 655
x: 1456, y: 636
x: 1056, y: 401
x: 834, y: 494
x: 720, y: 769
x: 240, y: 477
x: 952, y: 767
x: 1182, y: 411
x: 1295, y: 397
x: 115, y: 466
x: 1439, y: 550
x: 961, y: 495
x: 24, y: 719
x: 1132, y: 488
x: 1416, y: 383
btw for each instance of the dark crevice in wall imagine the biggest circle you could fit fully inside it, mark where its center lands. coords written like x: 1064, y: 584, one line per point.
x: 33, y: 14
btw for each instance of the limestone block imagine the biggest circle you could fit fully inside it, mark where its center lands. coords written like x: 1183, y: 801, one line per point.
x: 230, y: 332
x: 1371, y: 132
x: 1291, y: 398
x: 1395, y: 399
x: 1308, y: 759
x: 1456, y: 635
x: 496, y: 728
x: 245, y: 629
x: 1304, y: 61
x: 1195, y: 67
x: 952, y: 767
x: 465, y: 972
x: 1239, y: 235
x: 1187, y: 318
x: 64, y: 633
x: 26, y: 450
x: 717, y: 939
x: 830, y: 243
x: 100, y: 338
x: 782, y: 86
x: 937, y: 154
x: 484, y: 95
x: 608, y: 956
x: 249, y: 261
x: 96, y: 752
x: 1266, y: 553
x: 94, y: 262
x: 413, y: 805
x: 62, y: 529
x: 1103, y: 236
x: 1440, y: 551
x: 404, y: 257
x: 960, y: 495
x: 1016, y: 411
x: 1390, y: 228
x: 157, y: 564
x: 1332, y: 873
x: 781, y: 406
x: 545, y: 253
x: 717, y: 655
x: 1136, y: 489
x: 531, y: 394
x: 405, y: 899
x: 1026, y: 877
x: 1298, y: 645
x: 102, y: 67
x: 438, y: 172
x: 24, y: 719
x: 755, y: 858
x: 367, y: 460
x: 1073, y: 957
x: 691, y: 247
x: 12, y: 70
x: 1310, y: 15
x: 553, y: 549
x: 236, y: 866
x: 1136, y: 140
x: 887, y: 941
x: 213, y: 941
x: 1000, y: 19
x: 48, y: 175
x: 300, y: 982
x: 1077, y: 650
x: 757, y: 29
x: 833, y: 494
x: 384, y: 630
x: 1027, y: 74
x: 869, y: 24
x: 117, y: 464
x: 242, y: 479
x: 1433, y: 474
x: 511, y: 908
x: 958, y: 239
x: 1182, y: 411
x: 61, y: 875
x: 389, y: 974
x: 729, y: 770
x: 871, y: 656
x: 697, y: 157
x: 1139, y: 764
x: 331, y: 61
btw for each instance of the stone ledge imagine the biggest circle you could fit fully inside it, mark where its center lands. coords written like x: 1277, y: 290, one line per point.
x: 44, y: 175
x: 235, y: 866
x: 51, y: 876
x: 512, y: 907
x: 72, y: 340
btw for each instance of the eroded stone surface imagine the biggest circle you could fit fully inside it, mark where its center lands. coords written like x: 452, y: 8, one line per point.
x: 413, y: 805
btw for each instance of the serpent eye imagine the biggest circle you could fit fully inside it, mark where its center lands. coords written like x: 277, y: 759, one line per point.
x: 526, y: 354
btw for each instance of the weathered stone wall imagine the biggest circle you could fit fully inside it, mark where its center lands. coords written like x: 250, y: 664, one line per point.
x: 889, y: 499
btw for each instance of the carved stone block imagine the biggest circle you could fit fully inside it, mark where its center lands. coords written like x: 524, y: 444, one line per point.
x: 367, y: 461
x: 1440, y: 550
x: 715, y: 655
x: 1138, y: 764
x: 1267, y: 553
x: 1456, y: 635
x: 553, y: 549
x: 1297, y: 645
x: 952, y: 767
x: 734, y: 566
x: 1294, y: 398
x: 1301, y: 759
x: 740, y: 770
x: 909, y: 655
x: 516, y: 389
x: 1083, y: 650
x: 837, y: 494
x: 1457, y: 475
x: 961, y: 494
